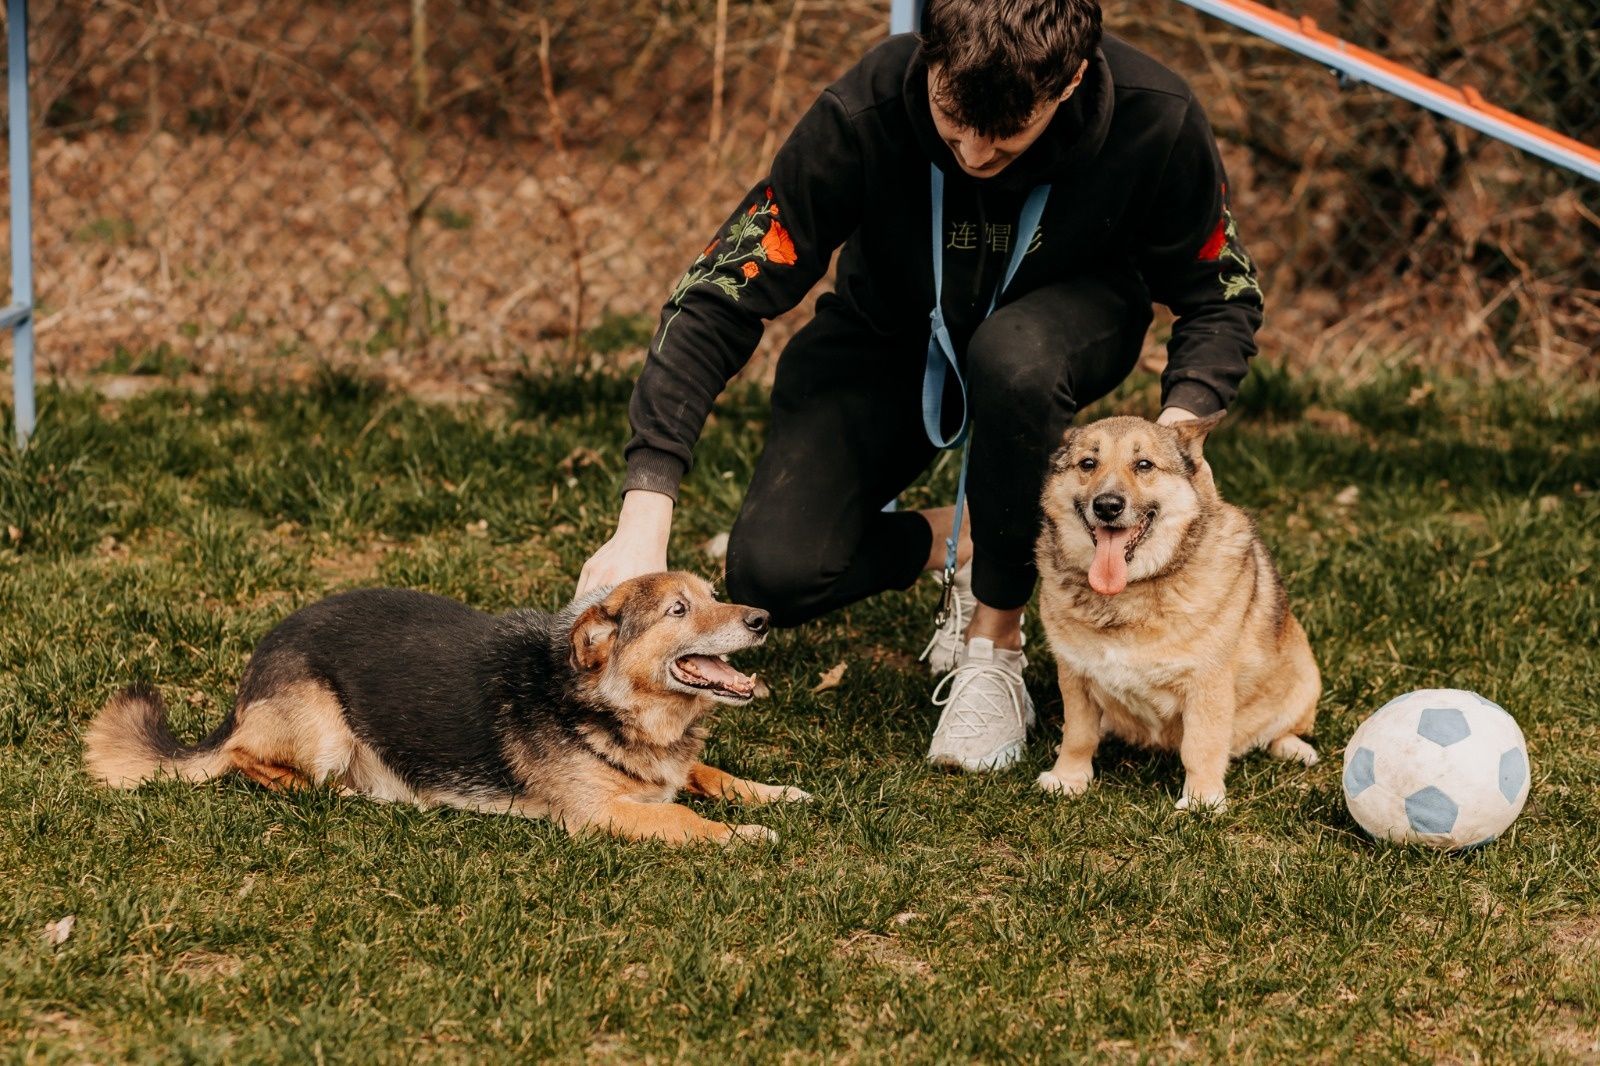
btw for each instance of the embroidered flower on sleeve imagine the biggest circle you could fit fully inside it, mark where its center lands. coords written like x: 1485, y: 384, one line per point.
x: 753, y: 235
x: 778, y: 245
x: 1223, y: 247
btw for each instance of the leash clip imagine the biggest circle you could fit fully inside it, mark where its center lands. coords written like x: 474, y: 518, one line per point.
x: 947, y: 597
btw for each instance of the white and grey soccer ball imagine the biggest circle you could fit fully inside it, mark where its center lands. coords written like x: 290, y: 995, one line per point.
x: 1438, y: 766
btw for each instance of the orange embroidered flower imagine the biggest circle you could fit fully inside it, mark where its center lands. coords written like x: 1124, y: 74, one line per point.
x: 773, y: 209
x: 752, y: 210
x: 778, y: 245
x: 769, y: 192
x: 709, y: 249
x: 751, y: 269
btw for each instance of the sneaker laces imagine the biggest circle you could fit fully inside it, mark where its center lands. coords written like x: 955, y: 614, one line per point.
x: 974, y: 717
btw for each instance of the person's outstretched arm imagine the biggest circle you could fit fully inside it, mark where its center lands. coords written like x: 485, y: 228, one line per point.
x: 762, y: 262
x: 1195, y: 264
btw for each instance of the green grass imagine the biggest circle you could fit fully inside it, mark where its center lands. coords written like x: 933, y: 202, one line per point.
x: 907, y: 914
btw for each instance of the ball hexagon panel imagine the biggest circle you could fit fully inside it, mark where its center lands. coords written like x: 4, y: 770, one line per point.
x: 1358, y: 772
x: 1443, y: 725
x: 1429, y: 810
x: 1513, y: 773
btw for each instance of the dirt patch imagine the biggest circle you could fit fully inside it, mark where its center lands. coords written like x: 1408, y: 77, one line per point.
x: 60, y: 1029
x: 1571, y: 1034
x: 357, y: 566
x: 1576, y: 938
x: 200, y: 965
x: 885, y: 951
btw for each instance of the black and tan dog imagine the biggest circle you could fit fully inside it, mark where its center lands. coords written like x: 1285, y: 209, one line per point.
x: 594, y: 717
x: 1168, y: 620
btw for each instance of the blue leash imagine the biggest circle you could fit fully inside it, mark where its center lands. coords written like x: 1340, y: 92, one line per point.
x: 942, y: 358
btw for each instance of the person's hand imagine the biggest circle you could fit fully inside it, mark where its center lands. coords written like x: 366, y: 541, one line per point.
x: 639, y: 546
x: 1173, y: 415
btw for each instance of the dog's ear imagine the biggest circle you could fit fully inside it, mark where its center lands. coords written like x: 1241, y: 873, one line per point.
x: 593, y: 635
x: 1058, y: 458
x: 1192, y: 436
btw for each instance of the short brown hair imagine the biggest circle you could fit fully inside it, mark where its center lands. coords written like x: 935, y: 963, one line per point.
x: 1001, y: 59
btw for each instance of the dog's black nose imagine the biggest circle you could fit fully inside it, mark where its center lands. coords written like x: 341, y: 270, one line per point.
x: 756, y: 621
x: 1107, y: 506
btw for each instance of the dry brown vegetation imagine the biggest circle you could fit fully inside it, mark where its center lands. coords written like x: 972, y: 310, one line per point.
x: 447, y: 192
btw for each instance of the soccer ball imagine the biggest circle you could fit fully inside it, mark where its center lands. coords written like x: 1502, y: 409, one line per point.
x: 1439, y: 766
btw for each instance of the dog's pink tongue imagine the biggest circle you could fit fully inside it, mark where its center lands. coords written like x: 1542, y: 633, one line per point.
x: 1108, y: 574
x: 718, y: 672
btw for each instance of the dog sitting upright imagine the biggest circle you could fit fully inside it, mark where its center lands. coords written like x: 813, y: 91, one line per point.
x: 594, y: 717
x: 1168, y: 620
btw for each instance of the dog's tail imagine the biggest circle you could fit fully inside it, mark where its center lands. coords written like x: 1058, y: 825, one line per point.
x: 128, y: 743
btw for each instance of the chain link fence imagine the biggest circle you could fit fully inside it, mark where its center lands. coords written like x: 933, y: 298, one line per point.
x: 447, y: 192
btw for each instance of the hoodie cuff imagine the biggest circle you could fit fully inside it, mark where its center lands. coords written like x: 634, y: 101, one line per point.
x: 654, y: 471
x: 1194, y: 397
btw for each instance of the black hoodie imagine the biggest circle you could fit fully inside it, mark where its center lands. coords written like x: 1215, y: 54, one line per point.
x: 1136, y: 183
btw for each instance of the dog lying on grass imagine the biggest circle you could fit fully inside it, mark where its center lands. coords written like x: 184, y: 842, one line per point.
x: 594, y: 717
x: 1168, y: 619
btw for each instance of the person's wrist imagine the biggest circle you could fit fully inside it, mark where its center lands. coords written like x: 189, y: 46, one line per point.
x: 646, y: 514
x: 1172, y: 415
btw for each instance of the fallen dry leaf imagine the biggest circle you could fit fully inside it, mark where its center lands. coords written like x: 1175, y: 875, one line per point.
x: 13, y: 534
x: 55, y: 934
x: 763, y: 690
x: 1347, y: 496
x: 1549, y: 504
x: 1419, y: 393
x: 829, y: 679
x: 577, y: 459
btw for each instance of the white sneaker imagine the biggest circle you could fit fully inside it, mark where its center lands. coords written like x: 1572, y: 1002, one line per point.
x: 944, y: 650
x: 987, y: 710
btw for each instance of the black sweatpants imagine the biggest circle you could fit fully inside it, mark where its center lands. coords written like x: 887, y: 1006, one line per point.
x: 846, y: 438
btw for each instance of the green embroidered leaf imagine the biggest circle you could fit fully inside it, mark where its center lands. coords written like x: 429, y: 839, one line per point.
x: 685, y: 283
x: 1238, y: 285
x: 727, y: 285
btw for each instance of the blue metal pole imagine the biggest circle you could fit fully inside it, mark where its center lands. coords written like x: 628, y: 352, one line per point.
x: 903, y: 15
x: 19, y: 315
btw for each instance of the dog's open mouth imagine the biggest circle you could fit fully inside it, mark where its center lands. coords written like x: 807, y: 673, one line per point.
x: 1113, y: 551
x: 713, y: 674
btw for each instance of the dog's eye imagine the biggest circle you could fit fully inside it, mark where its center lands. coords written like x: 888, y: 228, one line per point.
x: 678, y: 610
x: 1087, y: 463
x: 1144, y: 466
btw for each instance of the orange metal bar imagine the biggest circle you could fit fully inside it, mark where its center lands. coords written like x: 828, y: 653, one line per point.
x: 1464, y: 104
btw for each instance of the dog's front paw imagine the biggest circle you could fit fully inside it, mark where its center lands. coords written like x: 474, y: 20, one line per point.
x: 1215, y: 802
x: 1065, y: 784
x: 752, y: 834
x: 1294, y: 750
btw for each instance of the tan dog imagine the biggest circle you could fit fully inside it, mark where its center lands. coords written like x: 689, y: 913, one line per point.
x: 1168, y: 620
x: 594, y: 717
